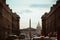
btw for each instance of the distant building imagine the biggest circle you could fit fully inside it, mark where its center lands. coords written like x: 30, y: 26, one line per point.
x: 26, y: 32
x: 38, y: 29
x: 51, y: 20
x: 9, y: 22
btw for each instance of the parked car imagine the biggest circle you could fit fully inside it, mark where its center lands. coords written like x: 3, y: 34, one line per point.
x: 47, y: 38
x: 11, y: 37
x: 41, y: 38
x: 38, y: 38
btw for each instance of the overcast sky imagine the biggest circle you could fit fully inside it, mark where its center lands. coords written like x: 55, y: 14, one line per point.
x: 30, y: 9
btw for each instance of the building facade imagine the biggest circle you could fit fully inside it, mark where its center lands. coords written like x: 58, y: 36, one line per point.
x: 44, y: 24
x: 38, y: 29
x: 28, y: 32
x: 7, y: 20
x: 15, y: 23
x: 51, y: 21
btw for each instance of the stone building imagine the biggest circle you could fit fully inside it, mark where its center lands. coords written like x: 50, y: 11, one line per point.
x: 7, y: 20
x: 15, y: 23
x: 44, y: 24
x: 27, y: 32
x: 38, y: 29
x: 51, y: 21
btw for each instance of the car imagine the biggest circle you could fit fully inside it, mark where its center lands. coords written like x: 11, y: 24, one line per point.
x: 12, y: 37
x: 41, y: 38
x: 36, y: 38
x: 47, y: 38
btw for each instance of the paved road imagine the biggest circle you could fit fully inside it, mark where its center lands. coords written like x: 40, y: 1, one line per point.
x: 53, y: 38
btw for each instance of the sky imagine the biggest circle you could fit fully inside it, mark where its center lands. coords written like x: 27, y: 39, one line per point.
x: 30, y: 9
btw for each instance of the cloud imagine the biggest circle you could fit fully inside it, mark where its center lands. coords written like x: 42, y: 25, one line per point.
x: 26, y: 11
x: 29, y: 2
x: 41, y: 5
